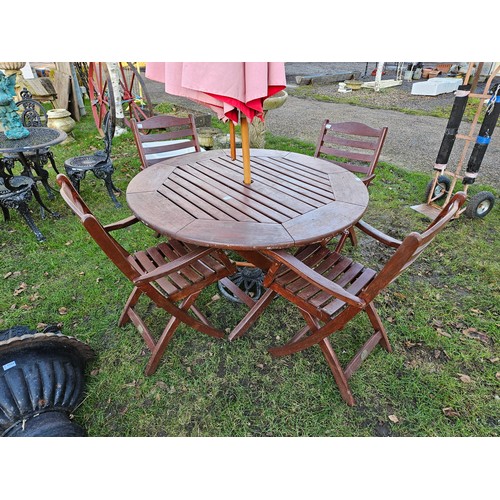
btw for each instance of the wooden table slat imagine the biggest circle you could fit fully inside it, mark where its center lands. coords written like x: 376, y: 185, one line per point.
x: 263, y: 197
x: 237, y: 235
x: 236, y: 205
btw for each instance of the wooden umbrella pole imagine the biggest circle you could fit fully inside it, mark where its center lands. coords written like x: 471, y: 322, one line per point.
x: 232, y: 139
x: 245, y: 146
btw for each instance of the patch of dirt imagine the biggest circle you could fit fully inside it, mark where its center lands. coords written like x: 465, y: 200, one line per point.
x: 419, y: 356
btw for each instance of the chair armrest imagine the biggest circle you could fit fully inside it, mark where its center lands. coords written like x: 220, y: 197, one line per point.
x: 121, y: 223
x: 173, y: 266
x: 378, y: 235
x: 366, y: 180
x: 313, y: 277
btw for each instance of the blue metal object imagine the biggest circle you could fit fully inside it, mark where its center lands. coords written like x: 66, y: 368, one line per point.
x: 11, y: 122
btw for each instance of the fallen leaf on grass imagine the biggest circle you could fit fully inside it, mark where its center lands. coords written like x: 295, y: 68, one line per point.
x: 393, y: 419
x: 63, y: 311
x: 494, y: 360
x: 440, y: 331
x: 161, y: 385
x: 13, y: 274
x: 497, y: 375
x: 68, y: 243
x: 131, y: 384
x: 215, y: 297
x: 472, y: 333
x: 464, y: 378
x: 20, y: 289
x: 450, y: 412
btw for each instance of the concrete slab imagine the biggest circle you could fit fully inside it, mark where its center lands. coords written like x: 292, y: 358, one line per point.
x: 435, y: 86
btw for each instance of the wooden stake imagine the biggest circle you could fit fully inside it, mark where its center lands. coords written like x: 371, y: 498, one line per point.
x: 245, y: 146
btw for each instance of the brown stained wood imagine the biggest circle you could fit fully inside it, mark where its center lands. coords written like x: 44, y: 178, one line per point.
x: 323, y: 222
x: 234, y: 201
x: 236, y: 235
x: 291, y: 185
x: 348, y: 144
x: 156, y: 177
x: 209, y: 196
x: 165, y: 131
x: 158, y: 213
x: 167, y: 274
x: 324, y: 285
x: 200, y: 198
x: 257, y: 196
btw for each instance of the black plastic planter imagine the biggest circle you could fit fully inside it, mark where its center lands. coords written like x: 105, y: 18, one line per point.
x: 41, y: 382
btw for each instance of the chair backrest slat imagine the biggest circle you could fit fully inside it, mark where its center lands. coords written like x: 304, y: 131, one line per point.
x: 347, y: 144
x: 161, y: 136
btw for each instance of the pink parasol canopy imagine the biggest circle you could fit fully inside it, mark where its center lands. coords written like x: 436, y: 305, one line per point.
x: 228, y: 88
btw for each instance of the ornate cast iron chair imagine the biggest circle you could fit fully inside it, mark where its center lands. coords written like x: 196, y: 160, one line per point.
x: 16, y: 192
x: 171, y: 274
x: 32, y: 114
x: 330, y: 290
x: 99, y: 163
x: 355, y: 147
x: 164, y: 136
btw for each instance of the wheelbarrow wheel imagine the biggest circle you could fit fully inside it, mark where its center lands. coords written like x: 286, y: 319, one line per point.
x: 100, y: 93
x: 440, y: 189
x: 136, y: 102
x: 480, y: 205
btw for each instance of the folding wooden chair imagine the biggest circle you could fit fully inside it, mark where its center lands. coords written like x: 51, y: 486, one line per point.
x: 330, y: 290
x: 355, y: 147
x: 171, y: 274
x: 164, y: 136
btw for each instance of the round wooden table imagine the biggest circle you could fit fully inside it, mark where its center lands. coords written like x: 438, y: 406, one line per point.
x: 293, y: 199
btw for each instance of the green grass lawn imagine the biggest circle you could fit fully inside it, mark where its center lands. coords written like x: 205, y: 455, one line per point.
x: 442, y: 318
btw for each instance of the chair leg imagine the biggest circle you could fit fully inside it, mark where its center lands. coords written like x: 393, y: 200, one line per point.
x: 24, y: 211
x: 378, y: 326
x: 252, y: 315
x: 111, y: 190
x: 166, y: 336
x: 348, y: 233
x: 131, y: 302
x: 50, y: 156
x: 338, y: 373
x: 6, y: 214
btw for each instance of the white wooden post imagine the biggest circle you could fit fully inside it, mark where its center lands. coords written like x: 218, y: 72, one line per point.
x: 378, y: 76
x: 114, y: 75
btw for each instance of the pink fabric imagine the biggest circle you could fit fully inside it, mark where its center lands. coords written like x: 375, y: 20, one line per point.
x: 225, y: 87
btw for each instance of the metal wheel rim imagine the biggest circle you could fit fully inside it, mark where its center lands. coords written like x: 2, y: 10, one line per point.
x: 483, y: 207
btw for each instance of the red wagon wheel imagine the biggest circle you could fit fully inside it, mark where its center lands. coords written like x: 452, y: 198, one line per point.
x: 135, y: 97
x: 100, y: 93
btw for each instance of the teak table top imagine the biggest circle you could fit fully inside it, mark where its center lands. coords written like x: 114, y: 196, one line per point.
x: 293, y: 199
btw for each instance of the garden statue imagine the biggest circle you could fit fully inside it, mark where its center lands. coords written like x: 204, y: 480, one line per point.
x: 9, y: 117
